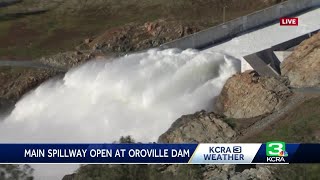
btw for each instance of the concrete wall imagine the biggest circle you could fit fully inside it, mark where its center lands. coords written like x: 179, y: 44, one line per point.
x: 228, y: 30
x: 265, y: 62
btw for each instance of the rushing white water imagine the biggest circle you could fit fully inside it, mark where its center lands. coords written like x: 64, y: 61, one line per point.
x: 138, y: 95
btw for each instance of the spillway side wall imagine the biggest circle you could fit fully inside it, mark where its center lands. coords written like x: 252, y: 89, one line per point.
x: 230, y: 29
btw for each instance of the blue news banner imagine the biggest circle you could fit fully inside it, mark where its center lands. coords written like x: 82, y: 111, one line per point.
x: 252, y: 153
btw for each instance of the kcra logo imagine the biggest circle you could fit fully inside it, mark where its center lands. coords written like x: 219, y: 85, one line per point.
x: 276, y: 151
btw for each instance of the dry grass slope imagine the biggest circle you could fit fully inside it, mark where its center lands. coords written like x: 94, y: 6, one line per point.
x: 67, y: 23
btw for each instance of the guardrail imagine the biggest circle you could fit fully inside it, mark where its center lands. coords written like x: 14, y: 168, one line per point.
x: 230, y: 29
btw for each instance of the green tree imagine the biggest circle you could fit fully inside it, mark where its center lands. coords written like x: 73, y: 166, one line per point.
x: 126, y: 139
x: 13, y: 172
x: 136, y: 172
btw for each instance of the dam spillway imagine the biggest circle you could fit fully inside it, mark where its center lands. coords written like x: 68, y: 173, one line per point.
x: 140, y: 94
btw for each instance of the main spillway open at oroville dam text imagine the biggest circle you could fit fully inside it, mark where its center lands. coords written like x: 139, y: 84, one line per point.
x: 104, y: 153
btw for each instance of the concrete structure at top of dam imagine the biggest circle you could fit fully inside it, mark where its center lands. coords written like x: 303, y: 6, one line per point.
x: 257, y: 39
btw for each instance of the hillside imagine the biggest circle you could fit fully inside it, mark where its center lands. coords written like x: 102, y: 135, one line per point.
x: 299, y: 125
x: 292, y: 115
x: 30, y: 29
x: 86, y: 29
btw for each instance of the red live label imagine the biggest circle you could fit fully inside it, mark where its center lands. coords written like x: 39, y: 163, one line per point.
x: 289, y: 21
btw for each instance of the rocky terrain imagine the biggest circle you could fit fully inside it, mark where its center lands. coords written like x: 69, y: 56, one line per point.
x: 203, y: 127
x: 87, y: 29
x: 15, y: 82
x: 247, y: 100
x: 195, y: 128
x: 302, y: 66
x: 199, y: 127
x: 248, y: 95
x: 135, y: 37
x: 70, y: 59
x: 31, y: 29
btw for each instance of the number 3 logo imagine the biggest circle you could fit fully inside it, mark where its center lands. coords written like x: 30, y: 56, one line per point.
x: 274, y: 148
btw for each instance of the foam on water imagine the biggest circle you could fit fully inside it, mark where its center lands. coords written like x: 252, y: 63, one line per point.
x: 139, y: 95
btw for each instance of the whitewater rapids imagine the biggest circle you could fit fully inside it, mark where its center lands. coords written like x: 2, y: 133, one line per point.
x: 139, y: 95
